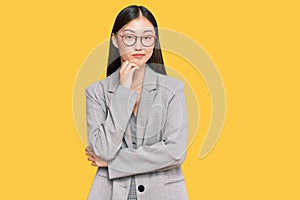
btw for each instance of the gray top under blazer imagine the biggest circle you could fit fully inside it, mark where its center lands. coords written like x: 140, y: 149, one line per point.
x: 161, y: 131
x: 132, y: 188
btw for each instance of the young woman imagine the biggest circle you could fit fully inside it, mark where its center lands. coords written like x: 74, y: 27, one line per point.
x: 136, y: 117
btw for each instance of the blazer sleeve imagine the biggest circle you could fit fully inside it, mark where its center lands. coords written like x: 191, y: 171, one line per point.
x: 166, y: 154
x: 106, y: 124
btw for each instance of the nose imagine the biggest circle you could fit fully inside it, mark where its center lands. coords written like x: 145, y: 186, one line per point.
x: 138, y: 44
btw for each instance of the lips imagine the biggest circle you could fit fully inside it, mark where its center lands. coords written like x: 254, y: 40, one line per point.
x: 138, y: 55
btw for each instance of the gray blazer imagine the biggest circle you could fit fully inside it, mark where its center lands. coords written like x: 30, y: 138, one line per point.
x: 162, y: 131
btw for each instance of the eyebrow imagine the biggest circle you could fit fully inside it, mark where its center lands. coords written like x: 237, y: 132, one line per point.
x: 134, y: 32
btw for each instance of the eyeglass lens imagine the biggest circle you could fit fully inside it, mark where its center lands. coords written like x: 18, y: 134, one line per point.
x: 147, y: 40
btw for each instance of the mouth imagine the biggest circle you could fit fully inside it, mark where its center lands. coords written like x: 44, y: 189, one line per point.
x: 138, y: 55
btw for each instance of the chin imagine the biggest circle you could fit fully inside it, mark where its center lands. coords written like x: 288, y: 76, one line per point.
x: 139, y: 62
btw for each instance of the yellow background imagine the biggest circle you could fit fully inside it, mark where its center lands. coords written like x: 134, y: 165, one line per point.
x: 255, y: 45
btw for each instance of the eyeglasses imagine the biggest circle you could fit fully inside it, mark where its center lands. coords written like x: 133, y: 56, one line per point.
x: 146, y: 40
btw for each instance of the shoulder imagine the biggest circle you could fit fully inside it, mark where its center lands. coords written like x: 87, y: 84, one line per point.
x: 97, y: 86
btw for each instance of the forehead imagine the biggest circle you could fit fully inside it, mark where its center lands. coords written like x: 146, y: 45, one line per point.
x: 138, y: 25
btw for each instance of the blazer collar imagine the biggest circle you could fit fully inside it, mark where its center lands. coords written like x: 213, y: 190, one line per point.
x: 149, y: 83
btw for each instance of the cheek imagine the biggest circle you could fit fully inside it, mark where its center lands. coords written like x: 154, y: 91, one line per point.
x: 149, y: 54
x: 125, y: 50
x: 125, y: 53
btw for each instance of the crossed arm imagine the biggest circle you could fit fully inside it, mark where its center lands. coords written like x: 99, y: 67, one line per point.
x: 106, y: 128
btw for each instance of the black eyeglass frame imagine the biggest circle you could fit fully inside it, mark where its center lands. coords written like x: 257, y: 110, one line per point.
x: 135, y: 39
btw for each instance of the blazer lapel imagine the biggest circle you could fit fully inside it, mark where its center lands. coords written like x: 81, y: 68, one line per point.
x: 113, y: 83
x: 147, y: 95
x: 146, y: 99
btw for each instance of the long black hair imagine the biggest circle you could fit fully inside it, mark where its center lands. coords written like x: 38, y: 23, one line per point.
x: 126, y: 15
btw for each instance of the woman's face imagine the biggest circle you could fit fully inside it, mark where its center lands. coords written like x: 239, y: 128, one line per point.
x: 135, y: 50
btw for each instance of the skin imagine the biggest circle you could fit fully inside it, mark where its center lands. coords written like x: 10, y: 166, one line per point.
x: 132, y: 68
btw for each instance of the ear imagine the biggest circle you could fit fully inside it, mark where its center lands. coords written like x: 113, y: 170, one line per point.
x: 114, y: 40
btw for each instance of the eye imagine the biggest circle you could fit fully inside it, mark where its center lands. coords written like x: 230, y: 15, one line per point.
x: 129, y: 37
x: 148, y: 37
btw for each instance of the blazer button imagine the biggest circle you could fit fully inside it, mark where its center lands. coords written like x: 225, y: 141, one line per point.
x: 141, y: 188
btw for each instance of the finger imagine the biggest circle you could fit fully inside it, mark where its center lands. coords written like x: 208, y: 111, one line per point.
x: 95, y: 164
x: 124, y: 66
x: 129, y: 67
x: 133, y: 69
x: 92, y: 154
x: 88, y: 149
x: 91, y: 158
x: 88, y: 153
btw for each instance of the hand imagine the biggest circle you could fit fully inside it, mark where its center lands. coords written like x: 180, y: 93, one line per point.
x: 126, y: 73
x: 96, y: 161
